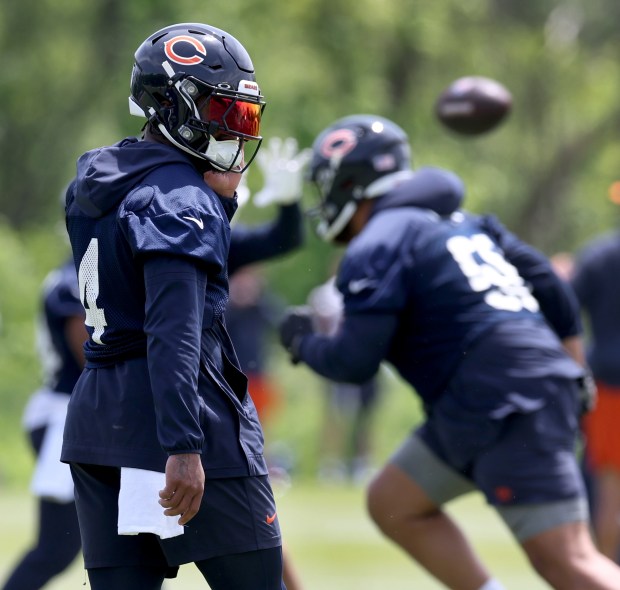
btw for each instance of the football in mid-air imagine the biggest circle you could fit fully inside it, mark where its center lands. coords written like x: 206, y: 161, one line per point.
x: 473, y: 105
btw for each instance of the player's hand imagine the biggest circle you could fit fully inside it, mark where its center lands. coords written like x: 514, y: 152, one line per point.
x: 296, y: 324
x: 282, y: 166
x: 185, y: 484
x: 587, y: 393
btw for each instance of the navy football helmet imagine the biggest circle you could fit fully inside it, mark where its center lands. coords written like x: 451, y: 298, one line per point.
x: 196, y: 85
x: 355, y: 158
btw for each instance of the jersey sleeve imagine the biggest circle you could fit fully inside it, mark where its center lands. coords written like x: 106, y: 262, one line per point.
x: 184, y: 228
x: 373, y: 278
x: 556, y: 298
x: 347, y: 356
x: 268, y: 240
x: 175, y: 294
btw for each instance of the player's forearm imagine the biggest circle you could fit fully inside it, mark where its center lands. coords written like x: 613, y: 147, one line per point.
x: 355, y: 353
x: 254, y: 244
x: 574, y: 347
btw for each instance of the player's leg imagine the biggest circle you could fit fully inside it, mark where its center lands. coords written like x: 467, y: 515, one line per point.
x: 567, y: 559
x: 405, y: 500
x: 532, y: 475
x: 603, y: 453
x: 57, y: 545
x: 235, y: 538
x: 290, y: 576
x: 607, y: 511
x: 126, y: 578
x: 122, y: 562
x: 244, y: 571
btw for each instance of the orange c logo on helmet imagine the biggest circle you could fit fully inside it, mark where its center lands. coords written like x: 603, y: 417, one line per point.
x: 179, y: 59
x: 338, y: 143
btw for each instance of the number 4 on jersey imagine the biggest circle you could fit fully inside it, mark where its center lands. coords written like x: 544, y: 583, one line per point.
x: 88, y: 277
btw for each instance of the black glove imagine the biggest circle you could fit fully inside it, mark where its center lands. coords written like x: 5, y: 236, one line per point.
x: 587, y: 393
x: 296, y: 324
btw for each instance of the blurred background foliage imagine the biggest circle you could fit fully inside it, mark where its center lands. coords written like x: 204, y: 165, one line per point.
x: 546, y: 172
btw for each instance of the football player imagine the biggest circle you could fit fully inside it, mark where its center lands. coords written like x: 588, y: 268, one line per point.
x: 480, y: 326
x: 595, y: 280
x: 60, y: 339
x: 162, y: 407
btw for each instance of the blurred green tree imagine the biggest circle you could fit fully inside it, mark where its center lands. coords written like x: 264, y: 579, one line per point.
x: 64, y: 84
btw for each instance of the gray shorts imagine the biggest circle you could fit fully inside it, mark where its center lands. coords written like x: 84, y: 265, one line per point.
x: 442, y: 483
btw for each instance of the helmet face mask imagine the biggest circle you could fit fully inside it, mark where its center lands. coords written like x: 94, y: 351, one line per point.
x: 349, y: 157
x: 196, y: 85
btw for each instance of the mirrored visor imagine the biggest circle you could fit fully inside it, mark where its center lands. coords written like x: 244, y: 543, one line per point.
x: 233, y: 114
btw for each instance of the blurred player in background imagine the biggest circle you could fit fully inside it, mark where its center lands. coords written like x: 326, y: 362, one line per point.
x: 163, y: 439
x: 251, y: 318
x: 344, y: 437
x: 486, y: 333
x: 251, y: 314
x: 596, y: 280
x: 60, y: 340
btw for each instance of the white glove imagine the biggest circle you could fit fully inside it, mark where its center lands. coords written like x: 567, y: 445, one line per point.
x: 282, y: 167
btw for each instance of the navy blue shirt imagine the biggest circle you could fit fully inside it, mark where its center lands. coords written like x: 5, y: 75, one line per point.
x: 421, y: 289
x: 249, y: 325
x: 150, y: 241
x: 60, y: 301
x: 249, y: 244
x: 597, y: 284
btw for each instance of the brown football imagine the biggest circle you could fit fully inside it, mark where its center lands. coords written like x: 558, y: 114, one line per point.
x: 473, y: 105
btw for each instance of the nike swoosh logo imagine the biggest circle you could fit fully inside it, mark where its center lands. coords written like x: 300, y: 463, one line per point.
x: 270, y: 519
x: 199, y: 222
x: 359, y: 285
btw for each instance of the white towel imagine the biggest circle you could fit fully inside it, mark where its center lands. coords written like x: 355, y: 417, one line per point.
x: 52, y: 479
x: 42, y: 405
x: 139, y: 510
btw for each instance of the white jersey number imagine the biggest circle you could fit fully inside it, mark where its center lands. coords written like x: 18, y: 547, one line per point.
x: 486, y: 269
x: 88, y: 277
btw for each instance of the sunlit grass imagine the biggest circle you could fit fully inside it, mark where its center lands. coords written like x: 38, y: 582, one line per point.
x: 332, y: 542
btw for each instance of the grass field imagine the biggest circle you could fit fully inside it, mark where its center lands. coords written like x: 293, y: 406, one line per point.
x: 333, y: 543
x: 331, y: 540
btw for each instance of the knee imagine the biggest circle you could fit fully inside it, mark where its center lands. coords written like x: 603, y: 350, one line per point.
x: 378, y: 503
x: 393, y: 509
x: 544, y: 564
x: 562, y: 562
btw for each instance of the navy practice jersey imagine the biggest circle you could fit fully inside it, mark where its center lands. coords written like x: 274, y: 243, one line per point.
x: 421, y: 289
x: 60, y: 302
x: 597, y: 284
x: 150, y: 241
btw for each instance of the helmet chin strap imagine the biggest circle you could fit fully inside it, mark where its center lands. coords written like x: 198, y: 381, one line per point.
x: 328, y: 231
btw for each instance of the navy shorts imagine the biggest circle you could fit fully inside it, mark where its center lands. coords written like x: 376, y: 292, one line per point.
x: 237, y: 515
x: 524, y: 457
